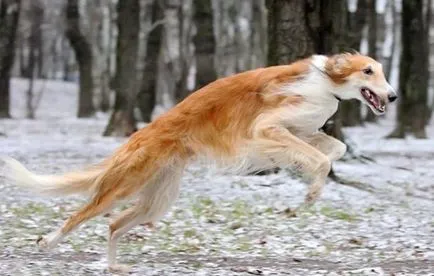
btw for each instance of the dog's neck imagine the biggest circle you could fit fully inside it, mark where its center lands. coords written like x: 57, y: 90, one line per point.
x: 316, y: 86
x: 318, y: 64
x: 319, y: 103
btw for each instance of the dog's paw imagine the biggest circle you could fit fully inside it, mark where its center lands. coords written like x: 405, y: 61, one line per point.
x: 42, y: 243
x: 50, y: 240
x: 150, y: 226
x: 310, y: 198
x: 120, y: 269
x: 45, y: 243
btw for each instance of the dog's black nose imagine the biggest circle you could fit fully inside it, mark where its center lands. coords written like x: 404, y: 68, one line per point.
x: 392, y: 97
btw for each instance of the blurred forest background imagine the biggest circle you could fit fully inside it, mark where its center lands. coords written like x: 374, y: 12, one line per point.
x: 137, y: 58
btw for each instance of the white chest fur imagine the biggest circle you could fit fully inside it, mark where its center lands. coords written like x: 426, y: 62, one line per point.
x: 318, y: 104
x: 308, y: 117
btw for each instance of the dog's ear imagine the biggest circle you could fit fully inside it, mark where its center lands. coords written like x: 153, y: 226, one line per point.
x: 338, y: 66
x: 341, y: 63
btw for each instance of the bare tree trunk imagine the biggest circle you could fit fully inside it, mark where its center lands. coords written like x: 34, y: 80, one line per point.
x: 259, y: 34
x: 83, y: 55
x: 287, y: 24
x: 39, y: 43
x: 30, y: 112
x: 146, y: 97
x: 430, y: 27
x: 106, y: 74
x: 204, y: 43
x: 34, y: 41
x: 413, y: 80
x: 388, y: 60
x: 185, y: 54
x: 52, y: 73
x: 169, y: 60
x: 224, y: 26
x: 30, y: 71
x: 21, y: 56
x: 243, y: 33
x: 99, y: 31
x: 372, y: 44
x: 372, y: 29
x: 9, y: 14
x: 122, y: 121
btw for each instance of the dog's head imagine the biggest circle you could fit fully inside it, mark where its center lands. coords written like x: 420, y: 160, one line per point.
x: 360, y: 77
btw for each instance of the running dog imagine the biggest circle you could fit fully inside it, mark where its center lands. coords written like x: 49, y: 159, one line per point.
x: 256, y: 120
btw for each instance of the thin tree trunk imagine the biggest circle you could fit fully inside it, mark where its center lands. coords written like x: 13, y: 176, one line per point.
x: 106, y: 75
x: 30, y: 112
x: 372, y: 44
x: 372, y: 29
x: 9, y: 14
x: 414, y: 72
x: 243, y: 18
x: 30, y: 71
x: 83, y: 55
x: 259, y: 34
x: 105, y: 89
x: 122, y: 121
x: 99, y: 18
x: 21, y: 55
x: 34, y: 41
x: 395, y: 29
x: 65, y: 59
x: 204, y: 43
x: 181, y: 89
x: 146, y: 97
x: 224, y: 26
x: 54, y: 60
x: 428, y: 24
x: 39, y: 46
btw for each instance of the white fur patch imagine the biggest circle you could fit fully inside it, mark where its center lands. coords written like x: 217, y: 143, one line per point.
x: 161, y: 193
x: 318, y: 104
x: 51, y: 239
x: 319, y: 61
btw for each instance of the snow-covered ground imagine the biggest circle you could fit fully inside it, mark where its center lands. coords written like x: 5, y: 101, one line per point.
x: 222, y: 224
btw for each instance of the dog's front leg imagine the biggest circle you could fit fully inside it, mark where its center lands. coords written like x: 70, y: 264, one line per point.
x: 330, y: 146
x: 286, y: 150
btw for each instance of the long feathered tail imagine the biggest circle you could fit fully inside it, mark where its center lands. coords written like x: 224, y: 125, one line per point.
x: 56, y: 185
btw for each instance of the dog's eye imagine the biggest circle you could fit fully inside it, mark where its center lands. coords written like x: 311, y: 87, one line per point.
x: 368, y: 71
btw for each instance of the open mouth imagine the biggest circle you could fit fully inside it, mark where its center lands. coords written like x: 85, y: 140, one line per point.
x: 374, y: 101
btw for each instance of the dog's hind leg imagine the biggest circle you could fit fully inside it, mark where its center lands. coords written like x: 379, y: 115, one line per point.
x: 156, y: 198
x: 126, y: 220
x: 99, y: 204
